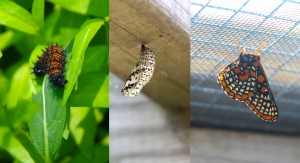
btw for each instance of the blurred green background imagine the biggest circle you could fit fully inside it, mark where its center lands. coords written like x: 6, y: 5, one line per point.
x: 38, y: 121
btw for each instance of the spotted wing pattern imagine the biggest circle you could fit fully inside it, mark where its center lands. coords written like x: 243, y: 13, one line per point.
x: 263, y: 102
x: 245, y: 80
x: 238, y: 80
x: 141, y: 73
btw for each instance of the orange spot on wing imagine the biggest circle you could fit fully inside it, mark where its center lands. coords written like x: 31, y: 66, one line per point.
x: 244, y: 77
x: 223, y: 83
x: 247, y: 102
x: 253, y: 73
x: 244, y: 96
x: 269, y: 117
x: 266, y: 117
x: 244, y: 64
x: 227, y: 89
x: 237, y: 70
x: 264, y: 89
x: 253, y: 107
x: 256, y: 63
x: 261, y: 78
x: 259, y: 113
x: 238, y: 96
x: 250, y: 94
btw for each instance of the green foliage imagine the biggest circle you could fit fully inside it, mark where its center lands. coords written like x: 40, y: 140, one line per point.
x: 40, y: 122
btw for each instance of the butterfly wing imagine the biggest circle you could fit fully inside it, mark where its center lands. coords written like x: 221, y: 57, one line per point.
x: 262, y: 102
x: 247, y: 82
x: 237, y: 80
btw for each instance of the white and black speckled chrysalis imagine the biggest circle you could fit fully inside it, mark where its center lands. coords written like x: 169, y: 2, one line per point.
x: 141, y: 73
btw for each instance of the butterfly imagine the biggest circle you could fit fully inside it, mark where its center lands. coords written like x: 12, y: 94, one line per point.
x: 141, y: 73
x: 245, y: 80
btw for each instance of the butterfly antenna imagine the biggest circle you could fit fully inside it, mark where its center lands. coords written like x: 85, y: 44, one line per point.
x: 259, y: 48
x: 229, y: 57
x: 243, y: 50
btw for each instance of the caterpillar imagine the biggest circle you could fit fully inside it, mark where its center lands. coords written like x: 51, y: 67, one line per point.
x: 40, y: 67
x: 141, y: 73
x: 52, y: 62
x: 56, y: 64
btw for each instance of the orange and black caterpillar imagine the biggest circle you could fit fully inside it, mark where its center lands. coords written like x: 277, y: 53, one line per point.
x: 52, y: 62
x: 56, y: 65
x: 40, y: 67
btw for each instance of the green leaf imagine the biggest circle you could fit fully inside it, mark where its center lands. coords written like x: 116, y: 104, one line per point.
x: 93, y: 90
x: 101, y: 154
x: 54, y: 29
x: 67, y: 127
x: 9, y: 37
x: 37, y: 10
x: 0, y: 54
x: 4, y: 85
x: 47, y: 126
x: 95, y: 57
x: 20, y: 86
x: 79, y: 6
x: 81, y: 42
x: 99, y: 8
x: 23, y: 112
x: 9, y: 142
x: 14, y: 16
x: 83, y: 127
x: 27, y: 144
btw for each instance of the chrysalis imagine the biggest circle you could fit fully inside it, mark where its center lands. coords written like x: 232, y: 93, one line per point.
x: 141, y: 73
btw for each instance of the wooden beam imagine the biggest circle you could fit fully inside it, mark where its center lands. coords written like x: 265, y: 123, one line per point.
x: 164, y: 27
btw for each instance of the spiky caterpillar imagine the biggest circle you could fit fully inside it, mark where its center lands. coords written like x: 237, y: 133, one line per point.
x: 141, y: 73
x: 53, y: 62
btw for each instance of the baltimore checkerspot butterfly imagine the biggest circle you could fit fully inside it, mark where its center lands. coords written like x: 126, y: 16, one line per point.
x: 245, y: 80
x: 52, y: 62
x: 141, y: 73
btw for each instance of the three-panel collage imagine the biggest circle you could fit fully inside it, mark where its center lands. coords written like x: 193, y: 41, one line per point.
x: 149, y: 81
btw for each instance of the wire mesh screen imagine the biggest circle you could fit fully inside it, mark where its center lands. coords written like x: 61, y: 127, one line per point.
x: 214, y: 26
